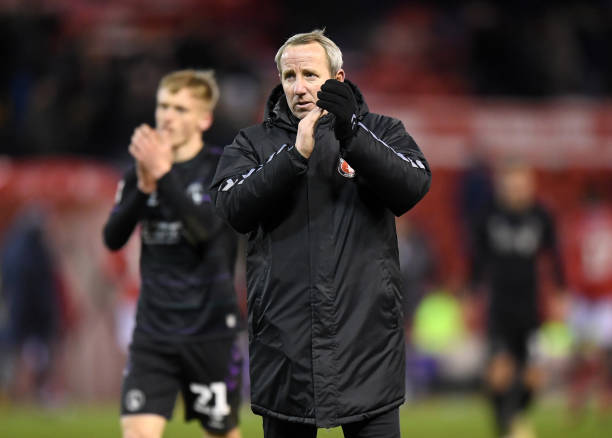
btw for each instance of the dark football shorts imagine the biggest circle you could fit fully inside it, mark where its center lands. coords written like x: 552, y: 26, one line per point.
x: 208, y: 374
x: 510, y: 338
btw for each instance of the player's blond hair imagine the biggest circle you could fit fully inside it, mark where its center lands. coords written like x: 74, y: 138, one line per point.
x: 201, y: 83
x: 334, y: 55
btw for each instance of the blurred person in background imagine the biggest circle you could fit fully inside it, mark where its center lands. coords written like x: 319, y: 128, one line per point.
x: 475, y: 190
x: 316, y: 187
x: 589, y: 270
x: 185, y: 336
x: 417, y: 264
x: 508, y: 242
x: 31, y: 294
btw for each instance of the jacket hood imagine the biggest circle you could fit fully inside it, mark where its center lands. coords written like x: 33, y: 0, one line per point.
x: 277, y: 111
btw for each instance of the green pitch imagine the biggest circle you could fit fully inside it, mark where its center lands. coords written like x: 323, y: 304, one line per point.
x: 436, y: 418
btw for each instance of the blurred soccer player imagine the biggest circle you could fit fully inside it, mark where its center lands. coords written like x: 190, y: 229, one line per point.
x: 317, y: 194
x: 508, y: 241
x: 589, y: 271
x: 186, y: 322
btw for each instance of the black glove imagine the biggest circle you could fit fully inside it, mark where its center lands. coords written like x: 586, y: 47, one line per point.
x: 338, y: 98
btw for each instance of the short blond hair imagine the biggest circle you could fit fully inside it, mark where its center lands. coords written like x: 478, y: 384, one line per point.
x: 201, y: 83
x: 334, y: 55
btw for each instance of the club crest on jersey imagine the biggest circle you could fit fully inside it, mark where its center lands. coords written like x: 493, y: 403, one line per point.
x: 344, y: 169
x: 196, y: 191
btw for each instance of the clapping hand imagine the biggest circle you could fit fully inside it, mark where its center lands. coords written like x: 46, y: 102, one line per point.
x: 338, y: 98
x: 153, y: 155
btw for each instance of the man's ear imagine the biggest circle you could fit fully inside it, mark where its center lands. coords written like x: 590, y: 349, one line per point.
x: 340, y: 75
x: 205, y: 121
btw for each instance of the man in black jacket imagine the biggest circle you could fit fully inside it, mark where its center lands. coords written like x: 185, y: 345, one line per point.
x: 186, y: 323
x: 317, y: 187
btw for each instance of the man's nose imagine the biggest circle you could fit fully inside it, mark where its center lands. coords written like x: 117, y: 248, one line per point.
x: 166, y: 115
x: 300, y: 86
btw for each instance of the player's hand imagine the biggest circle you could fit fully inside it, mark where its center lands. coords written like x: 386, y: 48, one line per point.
x: 338, y: 98
x: 304, y: 142
x: 146, y: 182
x: 152, y: 151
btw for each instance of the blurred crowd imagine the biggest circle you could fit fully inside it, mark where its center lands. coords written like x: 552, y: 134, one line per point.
x: 78, y: 75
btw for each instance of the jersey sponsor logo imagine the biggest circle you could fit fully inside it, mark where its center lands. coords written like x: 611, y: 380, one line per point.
x: 211, y: 401
x: 161, y: 232
x: 524, y: 239
x: 344, y: 169
x: 134, y: 400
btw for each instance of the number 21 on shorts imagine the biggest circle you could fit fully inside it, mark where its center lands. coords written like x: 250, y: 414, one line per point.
x: 205, y: 403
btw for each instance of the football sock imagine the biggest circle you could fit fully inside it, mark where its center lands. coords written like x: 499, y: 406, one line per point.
x: 500, y: 401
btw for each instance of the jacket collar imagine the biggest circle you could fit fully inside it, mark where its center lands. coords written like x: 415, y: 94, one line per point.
x: 277, y: 111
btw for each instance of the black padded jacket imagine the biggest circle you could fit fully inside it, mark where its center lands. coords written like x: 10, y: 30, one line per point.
x: 324, y: 304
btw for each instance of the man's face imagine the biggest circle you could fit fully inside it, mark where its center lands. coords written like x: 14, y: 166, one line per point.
x: 304, y: 69
x: 516, y: 187
x: 180, y: 116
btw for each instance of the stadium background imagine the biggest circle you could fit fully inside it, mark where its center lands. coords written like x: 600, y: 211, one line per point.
x: 474, y: 83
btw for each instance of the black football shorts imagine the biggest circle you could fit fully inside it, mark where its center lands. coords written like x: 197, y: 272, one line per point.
x: 208, y: 374
x: 510, y: 338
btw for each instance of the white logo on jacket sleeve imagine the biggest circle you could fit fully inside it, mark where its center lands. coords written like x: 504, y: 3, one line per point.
x: 228, y: 185
x: 344, y: 169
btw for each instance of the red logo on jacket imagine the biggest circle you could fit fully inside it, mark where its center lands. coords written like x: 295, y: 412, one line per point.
x: 344, y: 169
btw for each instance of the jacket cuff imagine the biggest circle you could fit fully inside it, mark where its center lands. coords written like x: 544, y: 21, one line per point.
x: 295, y: 155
